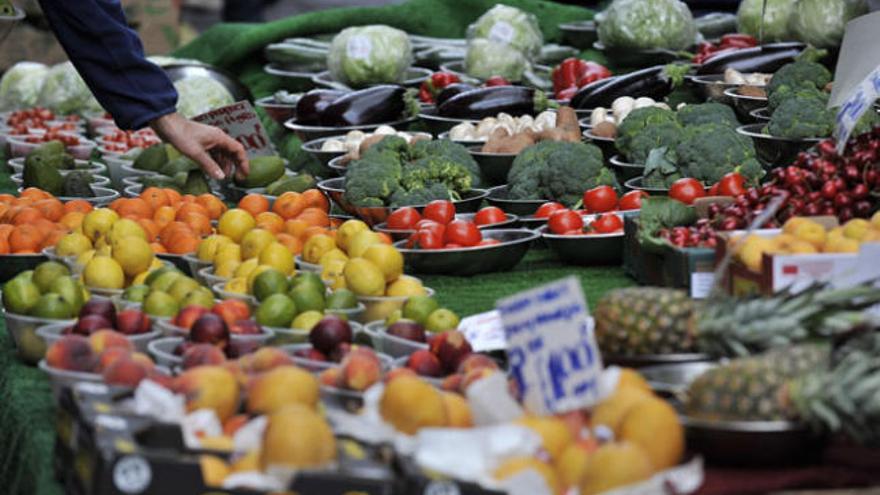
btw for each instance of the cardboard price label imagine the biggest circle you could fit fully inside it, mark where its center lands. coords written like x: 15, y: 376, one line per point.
x: 484, y: 331
x: 240, y: 121
x: 551, y: 349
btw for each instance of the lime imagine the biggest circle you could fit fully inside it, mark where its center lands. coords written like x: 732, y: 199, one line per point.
x: 20, y: 295
x: 441, y: 320
x: 394, y: 317
x: 52, y: 306
x: 159, y: 303
x: 181, y: 287
x: 47, y: 272
x: 364, y: 278
x: 308, y: 299
x: 136, y: 293
x: 269, y: 282
x: 277, y: 310
x: 164, y: 281
x: 200, y: 296
x: 341, y: 299
x: 158, y: 272
x: 307, y: 279
x: 25, y: 275
x: 306, y: 320
x: 417, y: 308
x: 70, y: 291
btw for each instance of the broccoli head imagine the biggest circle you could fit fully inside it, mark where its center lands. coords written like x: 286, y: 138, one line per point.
x: 419, y: 196
x: 660, y: 171
x: 709, y: 151
x: 706, y: 113
x: 647, y: 128
x: 785, y: 92
x: 436, y: 169
x: 451, y: 150
x: 392, y: 144
x: 371, y: 180
x: 797, y: 118
x: 800, y: 73
x: 559, y: 171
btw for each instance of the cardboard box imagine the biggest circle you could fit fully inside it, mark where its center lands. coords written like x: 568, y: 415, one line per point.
x: 156, y: 21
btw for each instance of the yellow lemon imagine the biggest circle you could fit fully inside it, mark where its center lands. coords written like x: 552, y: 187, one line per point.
x: 359, y: 243
x: 84, y: 258
x: 235, y: 223
x: 332, y: 255
x: 277, y: 256
x: 210, y: 245
x: 73, y: 245
x: 347, y: 232
x: 133, y: 254
x: 104, y: 273
x: 387, y: 258
x: 875, y: 220
x: 237, y: 285
x: 406, y: 286
x: 141, y: 278
x: 363, y: 277
x: 227, y: 268
x: 856, y: 228
x: 228, y: 252
x: 812, y: 232
x: 253, y: 243
x: 246, y: 268
x: 123, y: 228
x: 98, y: 222
x: 317, y: 246
x: 333, y: 271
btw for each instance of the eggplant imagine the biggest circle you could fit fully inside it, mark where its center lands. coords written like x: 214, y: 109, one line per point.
x: 488, y: 102
x: 312, y: 104
x: 654, y: 82
x: 765, y: 58
x: 450, y: 91
x: 373, y: 105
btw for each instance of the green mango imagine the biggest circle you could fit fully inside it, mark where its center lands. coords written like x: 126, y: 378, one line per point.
x: 152, y: 158
x: 78, y: 184
x: 263, y: 171
x: 298, y: 184
x: 40, y: 175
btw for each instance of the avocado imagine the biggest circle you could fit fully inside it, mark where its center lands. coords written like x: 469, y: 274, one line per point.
x: 178, y: 165
x: 195, y: 184
x: 49, y: 148
x: 152, y: 158
x: 298, y: 184
x: 162, y: 182
x: 37, y: 173
x: 263, y: 171
x: 78, y: 184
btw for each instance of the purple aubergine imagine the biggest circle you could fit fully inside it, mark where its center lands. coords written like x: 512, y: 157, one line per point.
x: 653, y: 82
x: 488, y: 102
x: 374, y: 105
x: 450, y: 91
x: 312, y: 104
x: 766, y: 58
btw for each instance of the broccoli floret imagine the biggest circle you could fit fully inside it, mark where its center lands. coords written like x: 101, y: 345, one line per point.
x: 707, y: 113
x: 797, y: 118
x: 800, y: 73
x: 785, y: 92
x: 420, y: 196
x: 452, y: 150
x: 392, y: 144
x: 371, y: 180
x: 436, y: 169
x: 645, y: 129
x: 709, y: 151
x: 559, y: 171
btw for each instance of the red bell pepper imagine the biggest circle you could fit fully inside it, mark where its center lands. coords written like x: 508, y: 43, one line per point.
x: 573, y: 73
x: 435, y: 83
x: 496, y: 81
x: 737, y: 40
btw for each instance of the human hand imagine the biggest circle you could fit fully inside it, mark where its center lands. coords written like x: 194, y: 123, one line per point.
x: 206, y: 145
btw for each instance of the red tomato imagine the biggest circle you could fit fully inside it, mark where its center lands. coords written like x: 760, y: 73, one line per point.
x: 440, y: 211
x: 489, y: 215
x: 574, y: 232
x: 732, y: 184
x: 713, y: 191
x: 632, y: 200
x: 600, y: 199
x: 607, y: 223
x: 563, y: 221
x: 452, y: 245
x: 404, y: 218
x: 547, y: 209
x: 463, y: 233
x: 432, y: 226
x: 426, y: 239
x: 687, y: 190
x: 489, y: 242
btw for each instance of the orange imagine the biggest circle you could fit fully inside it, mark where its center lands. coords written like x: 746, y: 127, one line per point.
x: 312, y: 231
x: 292, y: 244
x: 295, y: 227
x: 50, y: 208
x: 25, y: 239
x: 34, y: 194
x: 53, y: 237
x: 137, y: 208
x: 254, y: 204
x: 385, y: 238
x: 4, y: 246
x: 158, y: 248
x: 10, y: 213
x: 174, y: 197
x: 3, y: 209
x: 164, y: 215
x: 314, y: 216
x: 200, y: 224
x: 316, y: 199
x: 172, y: 228
x: 72, y: 221
x: 155, y: 197
x: 187, y: 198
x: 289, y: 205
x: 7, y: 198
x: 44, y: 226
x: 188, y: 208
x: 5, y: 230
x: 27, y: 215
x: 80, y: 205
x: 270, y: 221
x: 213, y: 204
x: 184, y: 243
x: 150, y: 228
x: 117, y: 203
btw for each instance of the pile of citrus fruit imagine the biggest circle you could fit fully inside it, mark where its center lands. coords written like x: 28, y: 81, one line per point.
x: 36, y: 220
x: 292, y: 218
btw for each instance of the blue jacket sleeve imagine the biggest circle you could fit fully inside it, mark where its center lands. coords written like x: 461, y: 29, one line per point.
x: 110, y: 58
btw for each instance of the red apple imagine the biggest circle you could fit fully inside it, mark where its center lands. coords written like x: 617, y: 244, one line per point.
x: 132, y: 322
x: 310, y: 353
x: 238, y: 348
x: 188, y: 315
x: 424, y: 363
x: 328, y: 333
x: 88, y: 324
x: 407, y: 329
x: 202, y: 355
x: 232, y: 311
x: 210, y: 329
x: 339, y: 353
x: 245, y: 327
x: 451, y: 348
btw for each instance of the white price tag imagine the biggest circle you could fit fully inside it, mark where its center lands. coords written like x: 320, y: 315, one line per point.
x: 861, y: 101
x: 359, y: 47
x: 484, y: 331
x: 551, y: 349
x: 701, y: 284
x: 242, y: 123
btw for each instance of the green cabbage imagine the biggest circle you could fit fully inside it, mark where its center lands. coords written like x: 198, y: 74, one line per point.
x: 486, y: 58
x: 776, y: 18
x: 21, y: 84
x: 647, y: 24
x: 821, y: 22
x: 199, y: 94
x: 509, y: 26
x: 364, y: 55
x: 65, y: 92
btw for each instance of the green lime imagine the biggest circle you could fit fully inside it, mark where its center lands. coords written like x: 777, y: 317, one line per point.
x: 200, y: 296
x: 308, y: 279
x: 52, y: 306
x: 441, y: 320
x: 136, y: 293
x: 47, y: 272
x: 20, y: 295
x: 70, y: 290
x: 418, y: 308
x: 276, y: 310
x: 341, y: 299
x: 158, y: 272
x: 26, y: 275
x: 164, y: 281
x: 393, y: 317
x: 268, y: 283
x: 159, y: 303
x: 181, y: 287
x: 306, y: 320
x: 307, y: 298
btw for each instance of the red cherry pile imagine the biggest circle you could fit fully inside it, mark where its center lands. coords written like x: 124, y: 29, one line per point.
x: 437, y: 228
x: 67, y: 138
x: 700, y: 234
x: 120, y: 141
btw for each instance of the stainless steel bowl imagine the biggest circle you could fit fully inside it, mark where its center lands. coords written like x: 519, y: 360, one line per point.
x: 9, y: 22
x: 390, y: 344
x: 494, y: 167
x: 629, y: 57
x: 775, y: 151
x: 520, y: 207
x: 300, y: 79
x: 412, y: 78
x: 672, y: 379
x: 593, y: 249
x: 311, y: 132
x: 605, y: 144
x: 744, y: 105
x: 761, y: 115
x: 313, y: 148
x: 279, y: 112
x: 162, y: 351
x: 239, y: 91
x: 437, y: 124
x: 712, y: 87
x: 467, y: 143
x: 635, y: 184
x: 473, y: 260
x: 625, y: 170
x: 378, y: 214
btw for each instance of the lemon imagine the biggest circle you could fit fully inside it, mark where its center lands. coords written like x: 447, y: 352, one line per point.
x: 332, y: 255
x: 103, y: 249
x: 140, y: 278
x: 133, y: 254
x: 307, y: 319
x: 253, y: 275
x: 856, y: 228
x: 347, y: 232
x: 363, y: 277
x: 253, y: 242
x: 157, y: 263
x: 98, y: 222
x: 84, y: 258
x: 246, y: 268
x: 361, y: 241
x: 104, y: 273
x: 317, y: 246
x: 227, y: 269
x: 228, y: 252
x: 277, y: 256
x: 210, y: 245
x: 73, y: 245
x: 387, y: 258
x: 333, y: 272
x: 124, y: 228
x: 406, y: 286
x: 235, y: 223
x: 237, y: 285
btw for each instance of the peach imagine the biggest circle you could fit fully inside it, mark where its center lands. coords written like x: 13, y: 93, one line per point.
x: 458, y: 411
x: 161, y: 378
x: 424, y: 363
x: 474, y: 361
x: 188, y: 315
x: 360, y: 369
x: 330, y: 377
x: 105, y: 339
x: 133, y: 322
x: 473, y: 375
x: 202, y: 354
x: 232, y: 311
x: 109, y: 356
x: 398, y: 372
x: 450, y: 348
x: 246, y: 327
x: 282, y: 386
x: 209, y: 387
x: 72, y: 353
x: 145, y: 360
x: 265, y: 359
x: 125, y: 372
x: 452, y: 383
x: 239, y: 348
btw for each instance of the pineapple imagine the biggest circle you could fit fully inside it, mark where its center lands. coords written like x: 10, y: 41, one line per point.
x: 649, y: 320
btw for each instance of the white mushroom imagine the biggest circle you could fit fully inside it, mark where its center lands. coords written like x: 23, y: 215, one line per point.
x: 622, y: 106
x: 333, y: 145
x: 355, y: 136
x: 546, y: 120
x: 463, y: 132
x: 598, y: 115
x: 385, y: 130
x: 643, y: 102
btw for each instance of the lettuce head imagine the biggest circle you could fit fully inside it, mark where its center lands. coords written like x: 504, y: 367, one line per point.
x: 646, y: 24
x: 21, y: 84
x: 364, y: 55
x: 509, y: 26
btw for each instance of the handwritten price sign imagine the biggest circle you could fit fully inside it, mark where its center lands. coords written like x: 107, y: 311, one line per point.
x: 240, y: 121
x: 551, y: 349
x: 852, y: 109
